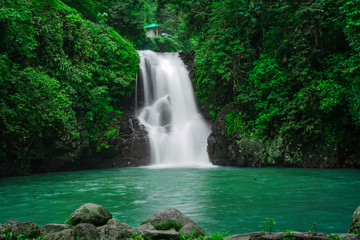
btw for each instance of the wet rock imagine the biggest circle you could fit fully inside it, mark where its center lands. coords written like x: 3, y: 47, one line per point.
x: 238, y: 237
x: 355, y: 224
x: 143, y: 228
x: 349, y: 236
x: 192, y: 231
x: 172, y: 219
x: 292, y: 235
x: 223, y: 149
x: 115, y: 222
x: 27, y: 229
x: 131, y: 149
x: 89, y: 213
x: 243, y: 149
x: 114, y: 232
x: 85, y: 231
x: 51, y: 228
x: 171, y: 234
x: 63, y: 235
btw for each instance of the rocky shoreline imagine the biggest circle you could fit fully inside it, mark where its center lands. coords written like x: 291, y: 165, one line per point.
x: 94, y: 222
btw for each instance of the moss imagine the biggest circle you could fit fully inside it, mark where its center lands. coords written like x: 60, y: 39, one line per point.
x: 167, y: 225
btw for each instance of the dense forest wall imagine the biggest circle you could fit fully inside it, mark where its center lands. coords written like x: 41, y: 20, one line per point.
x: 64, y: 84
x: 281, y: 79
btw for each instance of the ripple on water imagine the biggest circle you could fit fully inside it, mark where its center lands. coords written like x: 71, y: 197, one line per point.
x: 217, y: 199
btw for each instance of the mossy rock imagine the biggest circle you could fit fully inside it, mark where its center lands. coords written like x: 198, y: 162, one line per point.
x: 166, y: 224
x: 172, y: 219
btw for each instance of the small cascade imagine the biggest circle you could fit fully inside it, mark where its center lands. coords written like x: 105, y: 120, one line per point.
x: 176, y: 130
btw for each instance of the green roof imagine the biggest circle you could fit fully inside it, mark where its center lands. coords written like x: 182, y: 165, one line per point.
x: 156, y: 25
x: 152, y: 25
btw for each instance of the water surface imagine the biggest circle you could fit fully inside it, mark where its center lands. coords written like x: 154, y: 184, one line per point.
x: 217, y: 199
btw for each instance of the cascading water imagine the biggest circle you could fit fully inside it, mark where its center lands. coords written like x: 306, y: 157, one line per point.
x: 177, y: 132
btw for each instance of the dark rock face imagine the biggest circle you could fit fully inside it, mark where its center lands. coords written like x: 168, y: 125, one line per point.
x: 247, y: 150
x: 28, y: 229
x: 89, y: 213
x: 224, y: 150
x: 131, y: 150
x: 188, y: 60
x: 355, y: 224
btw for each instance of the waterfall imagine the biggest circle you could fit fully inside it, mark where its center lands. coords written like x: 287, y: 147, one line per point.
x: 176, y: 130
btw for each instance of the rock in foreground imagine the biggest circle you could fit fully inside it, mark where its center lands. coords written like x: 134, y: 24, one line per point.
x: 15, y: 228
x: 89, y: 213
x: 94, y: 222
x: 355, y: 225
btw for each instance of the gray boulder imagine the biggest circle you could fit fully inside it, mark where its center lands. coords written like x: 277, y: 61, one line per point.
x: 143, y: 228
x: 89, y: 213
x: 85, y: 231
x: 114, y: 232
x: 355, y: 225
x: 292, y: 235
x: 114, y: 221
x: 28, y: 229
x: 63, y: 235
x: 51, y: 228
x: 191, y: 230
x: 171, y: 234
x: 172, y: 219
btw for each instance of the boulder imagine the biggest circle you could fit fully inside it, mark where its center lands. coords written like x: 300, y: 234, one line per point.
x: 143, y: 228
x: 292, y: 235
x: 355, y: 225
x: 114, y: 232
x: 27, y: 229
x: 63, y: 235
x: 89, y: 213
x: 51, y: 228
x: 172, y: 219
x: 171, y: 234
x: 192, y: 231
x: 115, y: 222
x: 85, y: 231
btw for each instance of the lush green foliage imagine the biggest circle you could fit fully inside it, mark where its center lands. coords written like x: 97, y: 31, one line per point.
x: 270, y: 222
x: 166, y: 44
x: 128, y: 17
x: 63, y: 80
x: 209, y: 236
x: 291, y: 68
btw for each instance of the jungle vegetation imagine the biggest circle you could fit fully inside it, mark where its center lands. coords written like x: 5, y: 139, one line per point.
x: 67, y: 69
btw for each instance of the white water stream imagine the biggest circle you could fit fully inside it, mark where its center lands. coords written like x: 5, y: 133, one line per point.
x: 177, y: 132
